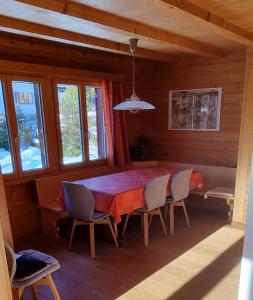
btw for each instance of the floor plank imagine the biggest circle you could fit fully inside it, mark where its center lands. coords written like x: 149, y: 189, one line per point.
x: 202, y: 261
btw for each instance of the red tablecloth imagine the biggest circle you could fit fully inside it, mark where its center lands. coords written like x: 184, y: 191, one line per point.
x: 123, y: 192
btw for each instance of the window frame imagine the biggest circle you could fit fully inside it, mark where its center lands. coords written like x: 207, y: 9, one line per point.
x: 18, y: 172
x: 84, y: 121
x: 9, y: 117
x: 95, y: 85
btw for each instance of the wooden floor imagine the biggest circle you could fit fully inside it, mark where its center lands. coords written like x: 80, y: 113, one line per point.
x: 200, y: 262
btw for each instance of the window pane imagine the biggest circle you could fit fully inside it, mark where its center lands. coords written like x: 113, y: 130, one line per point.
x: 27, y: 101
x: 70, y: 123
x: 5, y: 149
x: 95, y: 116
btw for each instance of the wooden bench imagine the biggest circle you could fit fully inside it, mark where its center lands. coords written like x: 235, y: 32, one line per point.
x: 214, y: 176
x: 48, y: 190
x: 217, y: 192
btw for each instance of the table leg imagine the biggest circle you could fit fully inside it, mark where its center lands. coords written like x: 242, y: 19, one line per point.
x: 116, y: 230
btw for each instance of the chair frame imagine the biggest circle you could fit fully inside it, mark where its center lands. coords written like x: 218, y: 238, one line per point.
x: 77, y: 222
x: 47, y: 280
x: 146, y: 218
x: 149, y: 211
x: 169, y: 207
x: 88, y: 220
x: 18, y: 289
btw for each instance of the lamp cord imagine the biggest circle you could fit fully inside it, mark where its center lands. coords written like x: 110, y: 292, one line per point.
x: 133, y: 74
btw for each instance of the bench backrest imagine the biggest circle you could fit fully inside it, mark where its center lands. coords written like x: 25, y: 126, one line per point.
x: 48, y: 188
x: 213, y: 175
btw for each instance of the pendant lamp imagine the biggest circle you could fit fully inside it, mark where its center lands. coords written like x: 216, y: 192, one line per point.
x: 134, y: 104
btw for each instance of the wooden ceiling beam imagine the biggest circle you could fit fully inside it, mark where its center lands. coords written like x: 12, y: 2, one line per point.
x: 213, y: 21
x: 94, y: 15
x: 89, y: 41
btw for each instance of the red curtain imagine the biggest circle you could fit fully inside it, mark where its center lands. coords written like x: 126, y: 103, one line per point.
x: 115, y: 124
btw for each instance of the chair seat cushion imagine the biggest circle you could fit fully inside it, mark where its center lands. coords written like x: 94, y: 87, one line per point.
x: 98, y: 215
x: 50, y: 265
x: 27, y: 265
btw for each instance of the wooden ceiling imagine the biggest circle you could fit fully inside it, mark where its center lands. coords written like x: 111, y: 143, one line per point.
x: 166, y: 28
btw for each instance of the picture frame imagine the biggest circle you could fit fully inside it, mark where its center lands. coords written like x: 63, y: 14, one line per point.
x: 195, y: 109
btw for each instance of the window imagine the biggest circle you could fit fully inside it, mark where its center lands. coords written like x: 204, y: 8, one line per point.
x: 5, y: 145
x: 81, y: 122
x: 95, y: 119
x: 28, y: 150
x: 70, y: 123
x: 30, y: 126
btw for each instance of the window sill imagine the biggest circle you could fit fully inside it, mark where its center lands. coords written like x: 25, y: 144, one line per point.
x: 28, y: 178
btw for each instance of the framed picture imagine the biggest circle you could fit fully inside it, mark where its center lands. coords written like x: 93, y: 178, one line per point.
x: 197, y: 109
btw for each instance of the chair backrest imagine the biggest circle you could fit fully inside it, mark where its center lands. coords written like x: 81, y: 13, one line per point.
x: 11, y: 261
x: 155, y: 191
x: 180, y: 185
x: 79, y: 201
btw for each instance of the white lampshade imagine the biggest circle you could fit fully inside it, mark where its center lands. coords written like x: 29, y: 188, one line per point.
x: 133, y: 104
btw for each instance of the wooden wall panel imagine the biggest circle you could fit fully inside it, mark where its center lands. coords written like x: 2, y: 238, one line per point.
x: 210, y: 148
x: 4, y: 214
x: 21, y: 195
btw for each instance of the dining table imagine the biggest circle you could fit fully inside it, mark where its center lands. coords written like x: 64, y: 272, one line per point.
x: 122, y: 193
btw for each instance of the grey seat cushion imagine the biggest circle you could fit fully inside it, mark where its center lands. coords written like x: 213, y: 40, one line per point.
x: 51, y: 265
x: 99, y: 215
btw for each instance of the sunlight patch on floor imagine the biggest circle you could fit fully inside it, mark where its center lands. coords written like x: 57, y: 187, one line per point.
x: 169, y: 279
x: 227, y: 288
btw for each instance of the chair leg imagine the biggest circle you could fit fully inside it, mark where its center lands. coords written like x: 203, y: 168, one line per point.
x: 162, y: 221
x: 171, y: 208
x: 17, y: 293
x: 72, y: 233
x: 166, y: 208
x: 92, y: 240
x: 33, y: 292
x: 112, y: 231
x: 185, y: 213
x: 150, y: 220
x: 146, y: 238
x: 53, y: 288
x: 125, y: 225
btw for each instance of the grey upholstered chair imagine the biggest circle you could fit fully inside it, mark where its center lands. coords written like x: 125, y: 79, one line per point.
x: 80, y: 205
x: 39, y: 277
x: 179, y: 192
x: 155, y: 197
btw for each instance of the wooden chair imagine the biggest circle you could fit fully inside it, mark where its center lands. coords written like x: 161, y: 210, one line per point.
x: 39, y: 277
x: 155, y: 196
x: 179, y: 192
x: 80, y: 205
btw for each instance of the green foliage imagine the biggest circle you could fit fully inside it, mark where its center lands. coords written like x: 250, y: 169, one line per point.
x: 70, y: 122
x: 27, y: 128
x: 4, y: 142
x: 91, y: 98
